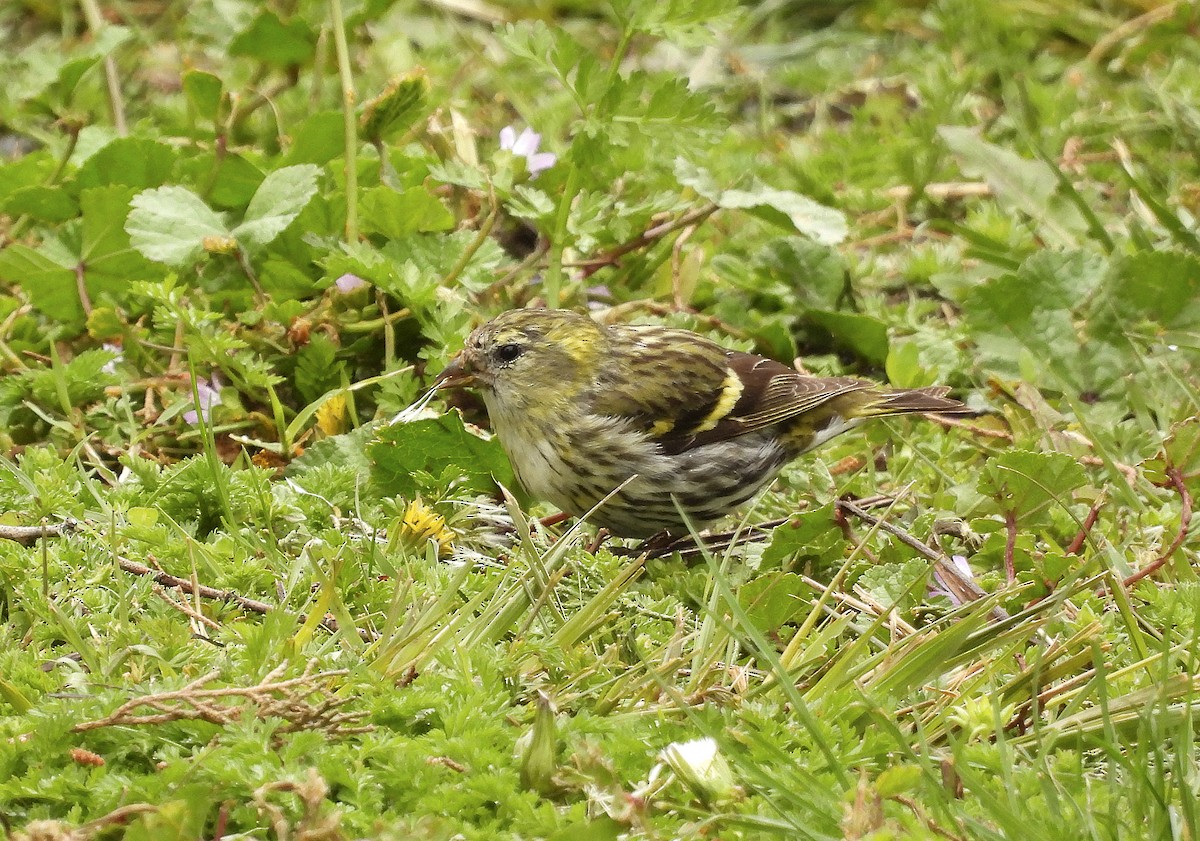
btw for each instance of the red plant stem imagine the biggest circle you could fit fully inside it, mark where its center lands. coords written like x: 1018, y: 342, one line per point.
x: 1185, y: 520
x: 1081, y: 538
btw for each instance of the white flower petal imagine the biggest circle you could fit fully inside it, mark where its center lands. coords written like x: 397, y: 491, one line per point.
x: 542, y: 160
x: 527, y: 143
x: 508, y: 137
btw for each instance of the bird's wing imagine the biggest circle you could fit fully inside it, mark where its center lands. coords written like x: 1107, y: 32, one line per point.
x: 685, y: 391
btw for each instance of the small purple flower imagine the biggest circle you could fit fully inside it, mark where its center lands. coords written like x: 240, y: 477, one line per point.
x: 348, y: 283
x: 208, y: 396
x: 525, y: 146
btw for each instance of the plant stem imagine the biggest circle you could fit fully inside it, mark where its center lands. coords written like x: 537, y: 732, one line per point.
x: 349, y: 123
x: 96, y: 24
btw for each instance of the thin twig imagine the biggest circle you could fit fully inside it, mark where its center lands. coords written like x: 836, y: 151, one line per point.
x: 26, y: 535
x: 1185, y: 521
x: 1076, y: 545
x: 253, y: 605
x: 689, y: 219
x: 947, y: 574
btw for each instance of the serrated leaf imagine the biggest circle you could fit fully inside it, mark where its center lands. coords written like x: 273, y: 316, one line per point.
x: 399, y: 214
x: 1160, y: 286
x: 169, y: 225
x: 348, y: 450
x: 397, y: 107
x: 317, y: 368
x: 889, y: 584
x: 1026, y: 483
x: 31, y: 170
x: 440, y: 447
x: 276, y: 204
x: 813, y: 272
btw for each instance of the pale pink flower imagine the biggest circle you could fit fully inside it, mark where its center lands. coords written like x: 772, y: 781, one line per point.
x: 208, y: 395
x: 348, y: 283
x: 525, y: 145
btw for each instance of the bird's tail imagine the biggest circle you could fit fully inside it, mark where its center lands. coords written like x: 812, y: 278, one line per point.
x: 904, y: 401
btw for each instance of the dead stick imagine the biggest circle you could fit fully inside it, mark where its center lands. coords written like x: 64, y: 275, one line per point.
x: 252, y: 605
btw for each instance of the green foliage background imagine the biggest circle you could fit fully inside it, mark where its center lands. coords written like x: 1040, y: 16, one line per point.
x: 237, y: 240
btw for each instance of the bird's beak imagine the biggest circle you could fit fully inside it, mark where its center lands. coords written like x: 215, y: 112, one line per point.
x: 461, y: 372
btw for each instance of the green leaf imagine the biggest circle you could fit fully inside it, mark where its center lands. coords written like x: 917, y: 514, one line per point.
x: 442, y: 448
x: 898, y: 779
x: 169, y: 225
x: 46, y: 204
x: 110, y: 265
x: 49, y: 284
x: 1031, y: 310
x: 1026, y: 483
x: 400, y: 104
x: 276, y: 204
x: 903, y: 366
x: 862, y: 334
x: 317, y: 368
x: 813, y: 272
x: 348, y: 450
x: 271, y: 41
x: 893, y: 583
x: 32, y: 170
x: 397, y: 215
x: 774, y: 599
x: 317, y: 140
x: 203, y: 92
x: 1028, y: 186
x: 131, y: 161
x: 1159, y: 286
x: 814, y: 534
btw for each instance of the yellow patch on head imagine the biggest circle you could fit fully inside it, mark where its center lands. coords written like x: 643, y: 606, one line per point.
x: 731, y: 390
x: 580, y: 344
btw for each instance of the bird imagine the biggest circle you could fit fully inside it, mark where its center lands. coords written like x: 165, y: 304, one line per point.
x: 632, y: 424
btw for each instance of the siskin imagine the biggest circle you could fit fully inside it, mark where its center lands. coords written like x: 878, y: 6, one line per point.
x: 666, y: 415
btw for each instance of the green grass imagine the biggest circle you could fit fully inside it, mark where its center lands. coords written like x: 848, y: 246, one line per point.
x: 346, y: 629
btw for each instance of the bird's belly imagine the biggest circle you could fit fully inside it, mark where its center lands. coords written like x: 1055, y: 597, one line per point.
x: 576, y: 472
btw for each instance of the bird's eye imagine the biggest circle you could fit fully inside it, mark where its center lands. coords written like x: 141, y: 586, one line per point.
x: 508, y: 353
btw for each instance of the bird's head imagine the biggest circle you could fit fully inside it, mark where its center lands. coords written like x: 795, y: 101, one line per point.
x: 522, y: 358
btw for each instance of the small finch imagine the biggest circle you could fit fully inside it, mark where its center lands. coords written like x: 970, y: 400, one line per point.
x: 673, y: 419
